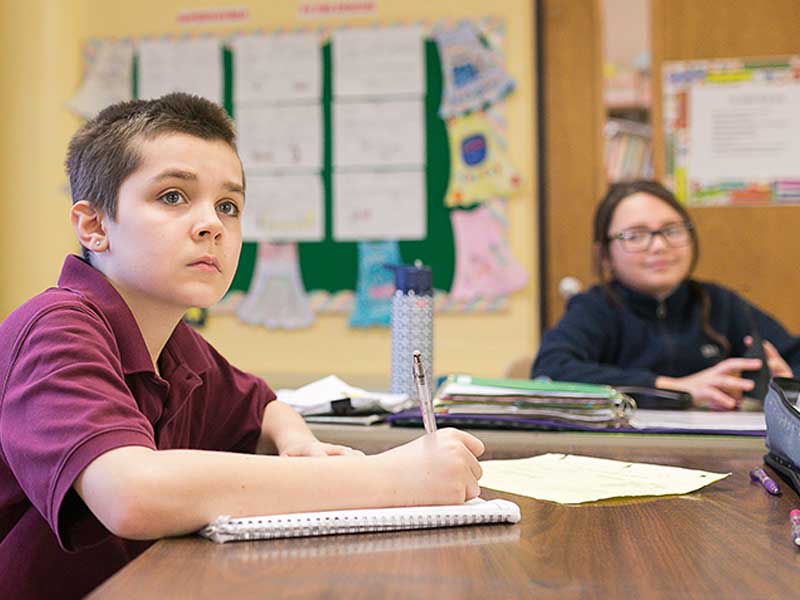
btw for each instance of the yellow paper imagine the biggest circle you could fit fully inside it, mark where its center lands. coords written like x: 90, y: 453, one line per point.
x: 570, y: 479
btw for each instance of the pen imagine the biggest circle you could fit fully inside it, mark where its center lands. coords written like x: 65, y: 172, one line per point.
x: 758, y: 474
x: 794, y: 517
x: 424, y: 393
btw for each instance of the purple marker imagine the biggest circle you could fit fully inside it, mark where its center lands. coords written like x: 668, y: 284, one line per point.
x: 758, y: 474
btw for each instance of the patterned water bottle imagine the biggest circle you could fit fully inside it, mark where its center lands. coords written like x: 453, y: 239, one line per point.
x: 412, y: 324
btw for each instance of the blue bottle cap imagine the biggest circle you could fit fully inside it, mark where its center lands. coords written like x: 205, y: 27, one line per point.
x: 418, y: 279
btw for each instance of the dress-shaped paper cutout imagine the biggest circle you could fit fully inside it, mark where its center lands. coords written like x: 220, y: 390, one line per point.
x: 276, y: 298
x: 375, y: 284
x: 473, y: 76
x: 479, y: 167
x: 484, y: 265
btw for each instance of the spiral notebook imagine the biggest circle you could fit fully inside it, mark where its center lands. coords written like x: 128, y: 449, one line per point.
x: 475, y: 512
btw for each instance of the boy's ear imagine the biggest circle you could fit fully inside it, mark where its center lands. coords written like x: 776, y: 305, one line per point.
x: 88, y: 224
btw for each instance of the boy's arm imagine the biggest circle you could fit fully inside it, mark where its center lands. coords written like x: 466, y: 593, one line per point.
x: 139, y: 493
x: 284, y: 432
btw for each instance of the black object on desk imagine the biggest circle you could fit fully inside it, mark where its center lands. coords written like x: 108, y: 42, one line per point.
x: 657, y: 398
x: 763, y: 375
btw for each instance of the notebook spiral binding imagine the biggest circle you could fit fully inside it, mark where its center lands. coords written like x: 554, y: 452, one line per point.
x: 225, y: 529
x: 261, y: 529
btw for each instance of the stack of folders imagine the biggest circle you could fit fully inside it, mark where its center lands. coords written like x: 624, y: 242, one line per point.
x: 599, y: 406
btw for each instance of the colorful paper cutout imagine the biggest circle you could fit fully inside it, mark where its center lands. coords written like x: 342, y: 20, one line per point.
x: 485, y: 267
x: 276, y: 298
x: 479, y: 167
x: 375, y: 284
x: 473, y: 76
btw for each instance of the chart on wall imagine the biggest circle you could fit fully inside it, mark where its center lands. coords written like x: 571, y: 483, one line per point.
x: 732, y: 130
x: 362, y: 146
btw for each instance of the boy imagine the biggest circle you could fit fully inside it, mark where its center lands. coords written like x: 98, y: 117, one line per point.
x: 118, y: 423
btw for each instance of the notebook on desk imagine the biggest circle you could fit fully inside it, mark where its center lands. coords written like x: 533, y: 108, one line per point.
x: 475, y: 512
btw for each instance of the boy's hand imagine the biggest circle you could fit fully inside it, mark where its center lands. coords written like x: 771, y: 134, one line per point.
x: 314, y: 447
x: 437, y: 468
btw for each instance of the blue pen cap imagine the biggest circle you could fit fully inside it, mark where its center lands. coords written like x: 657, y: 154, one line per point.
x: 416, y: 278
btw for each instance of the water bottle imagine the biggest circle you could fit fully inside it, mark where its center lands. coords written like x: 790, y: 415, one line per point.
x: 412, y: 324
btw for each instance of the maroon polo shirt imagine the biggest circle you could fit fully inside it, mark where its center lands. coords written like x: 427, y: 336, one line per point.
x: 76, y: 381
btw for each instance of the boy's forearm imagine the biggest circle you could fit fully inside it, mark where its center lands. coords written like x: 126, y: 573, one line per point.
x: 174, y: 492
x: 281, y: 426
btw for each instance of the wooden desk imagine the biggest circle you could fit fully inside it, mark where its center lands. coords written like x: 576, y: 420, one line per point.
x: 729, y: 540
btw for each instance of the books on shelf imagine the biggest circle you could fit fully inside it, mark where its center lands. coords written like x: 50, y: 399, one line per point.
x: 628, y: 150
x: 625, y: 87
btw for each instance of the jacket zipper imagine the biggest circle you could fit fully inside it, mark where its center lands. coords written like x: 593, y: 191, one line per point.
x: 661, y: 313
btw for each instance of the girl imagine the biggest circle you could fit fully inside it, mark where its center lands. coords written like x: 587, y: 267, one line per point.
x: 648, y: 323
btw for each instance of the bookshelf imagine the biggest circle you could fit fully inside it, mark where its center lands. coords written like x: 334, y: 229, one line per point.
x: 627, y: 95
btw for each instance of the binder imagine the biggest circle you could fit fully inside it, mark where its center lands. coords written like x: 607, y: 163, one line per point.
x: 598, y: 406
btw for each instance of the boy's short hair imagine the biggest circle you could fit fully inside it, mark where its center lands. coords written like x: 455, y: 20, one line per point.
x: 103, y: 152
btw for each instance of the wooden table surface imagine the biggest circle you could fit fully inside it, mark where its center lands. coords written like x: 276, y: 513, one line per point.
x: 729, y: 540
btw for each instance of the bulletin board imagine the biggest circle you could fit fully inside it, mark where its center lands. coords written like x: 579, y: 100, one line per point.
x: 329, y: 267
x: 732, y: 130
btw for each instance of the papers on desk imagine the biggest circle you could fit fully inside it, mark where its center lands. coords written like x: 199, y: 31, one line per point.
x: 735, y: 422
x: 570, y: 479
x: 331, y: 395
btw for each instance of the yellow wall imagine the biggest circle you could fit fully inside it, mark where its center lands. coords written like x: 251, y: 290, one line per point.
x: 39, y: 70
x: 45, y: 38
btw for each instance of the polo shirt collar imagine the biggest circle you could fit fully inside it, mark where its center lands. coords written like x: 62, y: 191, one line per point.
x: 81, y: 277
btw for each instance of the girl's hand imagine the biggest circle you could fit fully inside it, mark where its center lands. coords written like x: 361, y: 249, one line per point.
x: 777, y: 366
x: 314, y: 447
x: 719, y: 387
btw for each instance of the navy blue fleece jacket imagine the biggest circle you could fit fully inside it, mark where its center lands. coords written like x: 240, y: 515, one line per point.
x: 634, y: 341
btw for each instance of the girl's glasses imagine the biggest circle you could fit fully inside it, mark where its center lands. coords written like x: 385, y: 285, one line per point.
x: 640, y: 239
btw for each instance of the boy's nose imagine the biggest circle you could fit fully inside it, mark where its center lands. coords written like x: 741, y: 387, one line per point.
x: 208, y: 225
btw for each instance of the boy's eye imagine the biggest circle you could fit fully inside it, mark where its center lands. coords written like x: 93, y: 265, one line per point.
x: 228, y: 208
x: 171, y: 198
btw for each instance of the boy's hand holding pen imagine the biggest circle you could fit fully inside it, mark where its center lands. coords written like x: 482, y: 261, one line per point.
x: 440, y: 467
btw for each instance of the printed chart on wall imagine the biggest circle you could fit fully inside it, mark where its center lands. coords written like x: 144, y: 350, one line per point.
x: 362, y: 147
x: 732, y: 130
